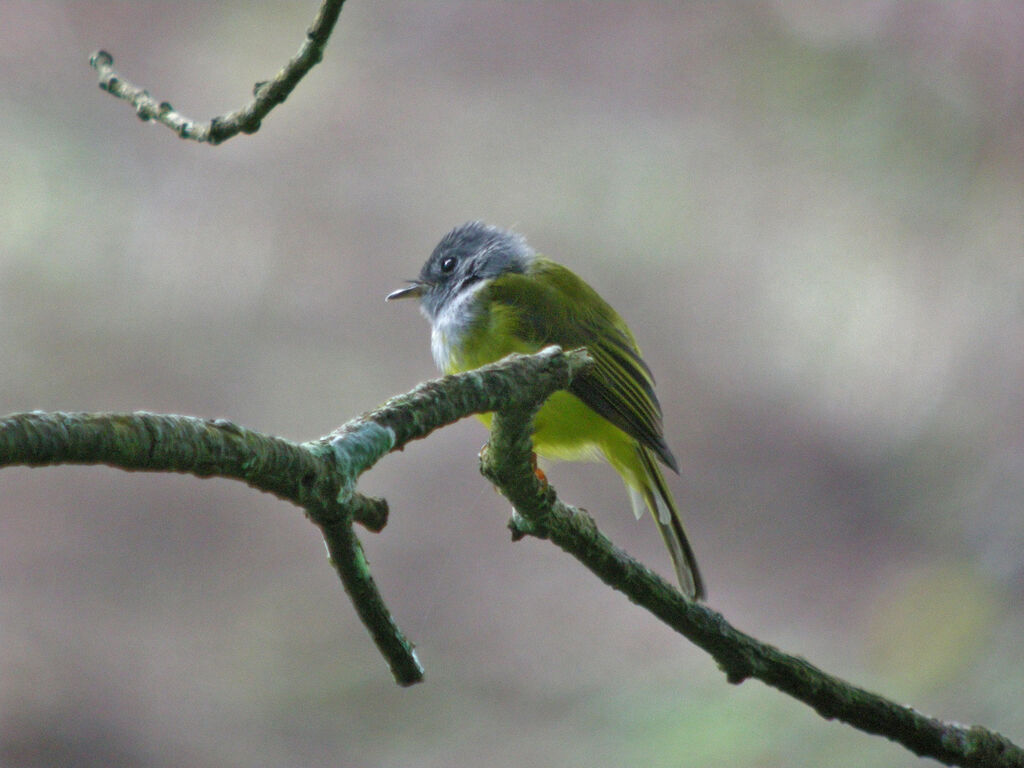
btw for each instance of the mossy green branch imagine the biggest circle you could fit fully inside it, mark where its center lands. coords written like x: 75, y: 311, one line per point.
x: 313, y: 480
x: 539, y: 513
x: 319, y: 476
x: 148, y: 441
x: 516, y: 379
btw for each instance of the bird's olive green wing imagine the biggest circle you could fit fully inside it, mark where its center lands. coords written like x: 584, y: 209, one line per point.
x: 554, y: 306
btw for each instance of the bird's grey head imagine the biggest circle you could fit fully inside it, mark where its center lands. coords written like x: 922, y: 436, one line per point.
x: 466, y: 256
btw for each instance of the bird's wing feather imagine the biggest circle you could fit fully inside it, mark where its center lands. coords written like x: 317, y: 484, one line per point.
x: 562, y: 309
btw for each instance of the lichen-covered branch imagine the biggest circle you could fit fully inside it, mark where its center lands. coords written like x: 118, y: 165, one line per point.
x: 539, y: 513
x: 516, y: 379
x: 266, y: 95
x: 347, y: 557
x: 315, y: 481
x: 150, y: 441
x: 321, y: 476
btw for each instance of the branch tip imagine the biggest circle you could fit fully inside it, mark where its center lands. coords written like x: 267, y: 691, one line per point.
x: 101, y: 59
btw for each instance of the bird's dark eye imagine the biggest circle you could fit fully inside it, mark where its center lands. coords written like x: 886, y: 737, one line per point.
x: 448, y: 264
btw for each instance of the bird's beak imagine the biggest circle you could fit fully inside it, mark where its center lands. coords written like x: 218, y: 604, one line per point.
x: 414, y: 291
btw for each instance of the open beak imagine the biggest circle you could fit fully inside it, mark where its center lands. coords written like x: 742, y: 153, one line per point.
x: 414, y: 291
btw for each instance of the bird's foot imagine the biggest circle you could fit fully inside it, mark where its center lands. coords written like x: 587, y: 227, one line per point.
x: 537, y: 471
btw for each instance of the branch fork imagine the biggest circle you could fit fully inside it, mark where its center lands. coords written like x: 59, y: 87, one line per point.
x: 320, y: 476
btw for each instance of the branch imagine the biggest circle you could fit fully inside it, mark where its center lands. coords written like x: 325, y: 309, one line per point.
x: 539, y: 513
x: 151, y: 442
x: 267, y: 95
x: 320, y: 476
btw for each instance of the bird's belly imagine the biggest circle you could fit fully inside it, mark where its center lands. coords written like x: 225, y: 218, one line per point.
x: 564, y: 428
x: 568, y: 430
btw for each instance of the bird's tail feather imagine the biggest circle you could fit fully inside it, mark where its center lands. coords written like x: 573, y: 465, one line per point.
x: 658, y: 499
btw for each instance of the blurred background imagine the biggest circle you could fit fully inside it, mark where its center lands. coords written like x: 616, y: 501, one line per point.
x: 812, y: 215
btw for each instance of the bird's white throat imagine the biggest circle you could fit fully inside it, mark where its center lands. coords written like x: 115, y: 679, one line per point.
x: 451, y: 323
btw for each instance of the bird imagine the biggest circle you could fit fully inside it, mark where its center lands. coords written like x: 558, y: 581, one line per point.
x: 487, y: 294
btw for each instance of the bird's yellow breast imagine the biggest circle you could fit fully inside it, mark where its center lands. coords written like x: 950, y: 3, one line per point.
x: 565, y: 427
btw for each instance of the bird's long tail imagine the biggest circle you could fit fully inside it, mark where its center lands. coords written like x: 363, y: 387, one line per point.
x: 655, y: 495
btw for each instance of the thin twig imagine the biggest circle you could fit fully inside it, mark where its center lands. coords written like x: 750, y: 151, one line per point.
x: 267, y: 95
